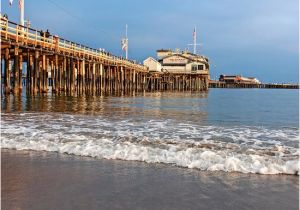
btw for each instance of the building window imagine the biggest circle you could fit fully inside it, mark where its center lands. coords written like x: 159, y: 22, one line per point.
x: 194, y: 68
x: 200, y: 67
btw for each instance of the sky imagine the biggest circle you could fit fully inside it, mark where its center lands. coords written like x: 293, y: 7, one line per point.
x: 246, y: 37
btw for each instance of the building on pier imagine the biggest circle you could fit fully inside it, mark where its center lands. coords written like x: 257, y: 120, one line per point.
x: 152, y: 64
x: 178, y: 62
x: 231, y: 79
x: 180, y: 70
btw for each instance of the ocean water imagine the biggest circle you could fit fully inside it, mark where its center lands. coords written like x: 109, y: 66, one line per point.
x: 231, y: 130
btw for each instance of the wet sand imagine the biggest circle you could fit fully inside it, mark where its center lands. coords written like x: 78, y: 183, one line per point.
x: 45, y: 180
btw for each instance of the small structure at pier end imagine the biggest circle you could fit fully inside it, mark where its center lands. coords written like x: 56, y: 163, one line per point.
x: 238, y: 79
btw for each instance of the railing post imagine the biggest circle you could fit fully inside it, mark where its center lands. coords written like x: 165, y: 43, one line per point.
x: 27, y: 35
x: 6, y: 27
x: 44, y: 40
x: 17, y: 31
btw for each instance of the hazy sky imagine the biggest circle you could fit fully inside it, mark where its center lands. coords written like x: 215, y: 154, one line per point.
x: 248, y: 37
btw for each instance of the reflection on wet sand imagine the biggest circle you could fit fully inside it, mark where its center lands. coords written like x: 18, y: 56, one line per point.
x: 41, y: 180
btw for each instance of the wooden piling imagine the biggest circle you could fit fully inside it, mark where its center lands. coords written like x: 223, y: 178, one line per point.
x: 7, y: 72
x: 16, y: 71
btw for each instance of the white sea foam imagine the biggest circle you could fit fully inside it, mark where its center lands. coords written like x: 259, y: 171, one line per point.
x: 214, y: 148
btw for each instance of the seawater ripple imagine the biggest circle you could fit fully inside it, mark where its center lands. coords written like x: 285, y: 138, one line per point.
x: 246, y: 149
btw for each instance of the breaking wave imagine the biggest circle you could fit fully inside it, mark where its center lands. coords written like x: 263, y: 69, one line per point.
x: 246, y: 149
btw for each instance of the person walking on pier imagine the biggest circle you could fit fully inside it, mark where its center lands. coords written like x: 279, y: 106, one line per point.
x: 47, y: 34
x: 42, y: 33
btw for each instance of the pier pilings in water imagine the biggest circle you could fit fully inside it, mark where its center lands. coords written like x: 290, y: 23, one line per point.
x: 176, y: 82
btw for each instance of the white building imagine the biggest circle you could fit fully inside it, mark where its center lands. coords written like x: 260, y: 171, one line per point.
x: 238, y: 79
x: 183, y: 62
x: 152, y: 64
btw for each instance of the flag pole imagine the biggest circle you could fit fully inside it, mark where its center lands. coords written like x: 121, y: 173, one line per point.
x: 126, y: 43
x: 195, y: 41
x: 22, y: 2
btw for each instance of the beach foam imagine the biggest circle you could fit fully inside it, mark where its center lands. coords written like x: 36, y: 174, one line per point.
x: 214, y: 148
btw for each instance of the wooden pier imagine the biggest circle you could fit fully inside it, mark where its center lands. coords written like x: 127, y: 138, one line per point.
x: 218, y: 84
x: 75, y: 68
x: 72, y: 67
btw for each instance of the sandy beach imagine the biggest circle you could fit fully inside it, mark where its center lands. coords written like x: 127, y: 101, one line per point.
x: 47, y: 180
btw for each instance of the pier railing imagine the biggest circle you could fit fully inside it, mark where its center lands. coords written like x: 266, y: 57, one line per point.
x: 36, y: 38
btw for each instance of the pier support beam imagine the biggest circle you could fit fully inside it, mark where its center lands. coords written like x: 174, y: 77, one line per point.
x: 93, y: 78
x: 20, y: 72
x: 72, y: 75
x: 64, y: 69
x: 55, y: 85
x: 101, y: 77
x: 29, y: 72
x: 42, y: 75
x: 36, y: 72
x: 16, y: 69
x: 7, y: 72
x: 83, y: 76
